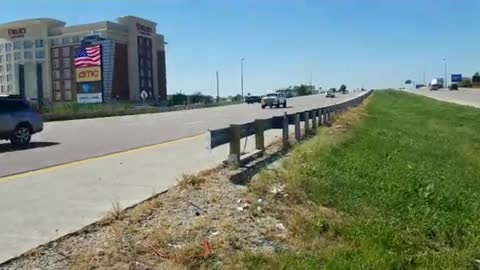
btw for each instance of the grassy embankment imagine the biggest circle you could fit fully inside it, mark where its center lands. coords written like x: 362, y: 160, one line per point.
x: 399, y: 184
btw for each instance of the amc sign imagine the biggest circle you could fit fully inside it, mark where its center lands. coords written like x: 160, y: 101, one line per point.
x: 88, y: 74
x: 17, y: 32
x: 144, y: 30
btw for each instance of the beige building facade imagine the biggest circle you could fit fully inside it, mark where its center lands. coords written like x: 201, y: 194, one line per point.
x: 37, y: 59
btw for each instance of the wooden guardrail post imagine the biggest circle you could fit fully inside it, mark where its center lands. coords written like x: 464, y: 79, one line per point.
x: 306, y: 117
x: 320, y: 118
x: 234, y: 157
x: 285, y: 131
x: 314, y: 121
x: 259, y: 136
x: 296, y: 121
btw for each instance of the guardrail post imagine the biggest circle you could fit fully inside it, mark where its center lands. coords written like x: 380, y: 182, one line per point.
x: 320, y: 117
x: 306, y: 117
x: 259, y: 136
x: 326, y: 113
x: 314, y: 121
x: 234, y: 157
x: 285, y: 131
x: 296, y: 121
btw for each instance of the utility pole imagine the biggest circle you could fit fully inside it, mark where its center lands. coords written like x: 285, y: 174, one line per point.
x: 424, y: 78
x: 218, y: 90
x: 241, y: 79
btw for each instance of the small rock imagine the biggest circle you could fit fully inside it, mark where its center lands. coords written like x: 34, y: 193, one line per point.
x: 215, y: 233
x: 280, y: 226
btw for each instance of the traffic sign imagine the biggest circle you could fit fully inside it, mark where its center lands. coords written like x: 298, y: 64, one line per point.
x: 456, y: 78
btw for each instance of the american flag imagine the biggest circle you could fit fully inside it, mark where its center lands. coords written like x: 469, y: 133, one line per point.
x: 88, y: 57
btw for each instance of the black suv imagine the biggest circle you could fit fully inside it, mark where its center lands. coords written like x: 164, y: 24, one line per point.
x: 18, y: 120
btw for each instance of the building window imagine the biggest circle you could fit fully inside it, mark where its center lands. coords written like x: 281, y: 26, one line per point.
x: 66, y: 51
x: 68, y: 95
x: 148, y: 43
x: 1, y: 79
x: 2, y: 47
x: 8, y: 47
x: 56, y: 74
x: 40, y: 54
x: 66, y: 40
x: 39, y: 43
x: 55, y: 52
x: 28, y: 55
x: 57, y: 96
x: 66, y: 62
x: 67, y: 73
x: 2, y: 89
x: 1, y: 58
x: 56, y: 63
x: 8, y: 57
x: 56, y: 42
x: 27, y: 44
x: 9, y: 88
x: 17, y: 45
x: 17, y: 56
x: 56, y: 85
x: 76, y: 39
x: 67, y: 84
x: 1, y: 69
x: 9, y: 77
x: 9, y: 67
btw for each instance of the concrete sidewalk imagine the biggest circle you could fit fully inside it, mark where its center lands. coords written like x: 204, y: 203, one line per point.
x: 40, y: 206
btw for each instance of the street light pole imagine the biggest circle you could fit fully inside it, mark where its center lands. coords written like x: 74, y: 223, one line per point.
x: 218, y: 89
x: 241, y: 66
x: 445, y: 70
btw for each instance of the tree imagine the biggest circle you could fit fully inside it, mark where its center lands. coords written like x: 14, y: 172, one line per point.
x: 343, y: 88
x: 178, y: 99
x: 466, y: 82
x: 476, y: 79
x: 303, y: 90
x: 237, y: 98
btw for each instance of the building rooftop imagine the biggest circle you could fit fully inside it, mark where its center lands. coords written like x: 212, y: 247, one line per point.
x: 49, y: 22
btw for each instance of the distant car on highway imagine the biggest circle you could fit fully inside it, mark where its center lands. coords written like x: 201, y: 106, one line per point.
x: 274, y: 99
x: 253, y: 99
x: 18, y: 120
x: 330, y: 94
x: 453, y: 87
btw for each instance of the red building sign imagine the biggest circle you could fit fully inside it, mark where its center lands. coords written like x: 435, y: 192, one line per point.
x: 17, y: 32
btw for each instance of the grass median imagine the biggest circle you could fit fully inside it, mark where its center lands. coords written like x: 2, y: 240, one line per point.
x: 399, y: 179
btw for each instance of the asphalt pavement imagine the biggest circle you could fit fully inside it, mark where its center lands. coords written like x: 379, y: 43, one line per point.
x: 464, y: 96
x: 67, y: 141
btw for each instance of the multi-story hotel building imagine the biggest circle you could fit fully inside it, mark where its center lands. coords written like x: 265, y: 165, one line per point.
x: 37, y: 58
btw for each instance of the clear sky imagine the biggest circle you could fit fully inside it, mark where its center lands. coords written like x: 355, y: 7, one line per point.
x: 371, y: 43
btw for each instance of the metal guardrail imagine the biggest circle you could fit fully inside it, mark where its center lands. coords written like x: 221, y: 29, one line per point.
x: 311, y: 118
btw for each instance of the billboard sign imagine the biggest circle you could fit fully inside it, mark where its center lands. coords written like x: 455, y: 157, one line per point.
x: 456, y: 78
x: 90, y: 92
x: 88, y: 74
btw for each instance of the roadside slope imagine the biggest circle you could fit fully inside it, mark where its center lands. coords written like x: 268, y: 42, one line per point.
x: 404, y: 181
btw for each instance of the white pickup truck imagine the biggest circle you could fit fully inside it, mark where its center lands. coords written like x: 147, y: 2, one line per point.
x: 274, y: 99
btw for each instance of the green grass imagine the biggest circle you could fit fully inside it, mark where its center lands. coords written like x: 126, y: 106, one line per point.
x: 406, y: 179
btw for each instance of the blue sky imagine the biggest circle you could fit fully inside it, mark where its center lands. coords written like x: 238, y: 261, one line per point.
x: 371, y: 43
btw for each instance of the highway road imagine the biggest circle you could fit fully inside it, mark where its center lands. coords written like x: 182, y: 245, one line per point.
x: 464, y: 96
x: 67, y: 141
